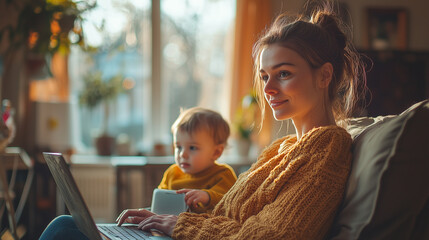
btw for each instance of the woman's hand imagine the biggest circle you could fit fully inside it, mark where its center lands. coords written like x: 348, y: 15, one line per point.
x: 193, y: 197
x: 162, y: 223
x: 133, y: 216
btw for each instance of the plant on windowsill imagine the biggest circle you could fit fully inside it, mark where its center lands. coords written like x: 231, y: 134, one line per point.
x: 97, y: 91
x: 45, y: 27
x: 244, y: 123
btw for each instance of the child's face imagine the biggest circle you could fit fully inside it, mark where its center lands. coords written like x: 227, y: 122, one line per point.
x: 195, y: 153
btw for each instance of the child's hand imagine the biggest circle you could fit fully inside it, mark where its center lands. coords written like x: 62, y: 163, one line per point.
x: 195, y: 198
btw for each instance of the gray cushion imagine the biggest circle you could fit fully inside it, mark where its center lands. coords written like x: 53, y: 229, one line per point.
x: 355, y: 126
x: 387, y: 194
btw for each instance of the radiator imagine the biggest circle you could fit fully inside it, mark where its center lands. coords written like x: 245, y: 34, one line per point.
x: 97, y: 184
x: 134, y: 187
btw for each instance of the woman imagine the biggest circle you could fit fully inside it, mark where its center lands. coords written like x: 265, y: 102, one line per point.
x: 307, y: 72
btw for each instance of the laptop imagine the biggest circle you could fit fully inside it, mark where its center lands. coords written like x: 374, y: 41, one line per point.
x: 79, y: 211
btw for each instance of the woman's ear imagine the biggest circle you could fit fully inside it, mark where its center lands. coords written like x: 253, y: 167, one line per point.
x: 326, y: 71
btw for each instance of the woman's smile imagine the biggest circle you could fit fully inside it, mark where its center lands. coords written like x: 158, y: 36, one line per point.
x: 277, y: 103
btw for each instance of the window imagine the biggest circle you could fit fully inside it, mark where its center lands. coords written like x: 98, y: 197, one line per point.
x: 173, y: 54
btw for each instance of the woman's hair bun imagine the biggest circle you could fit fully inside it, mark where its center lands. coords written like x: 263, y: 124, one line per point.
x: 330, y: 23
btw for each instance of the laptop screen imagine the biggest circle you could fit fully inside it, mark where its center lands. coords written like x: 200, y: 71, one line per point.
x: 71, y: 195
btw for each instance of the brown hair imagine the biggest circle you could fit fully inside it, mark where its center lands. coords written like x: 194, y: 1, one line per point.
x: 197, y: 119
x: 318, y: 39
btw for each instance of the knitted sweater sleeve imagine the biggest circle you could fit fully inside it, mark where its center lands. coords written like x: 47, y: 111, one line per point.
x: 304, y: 207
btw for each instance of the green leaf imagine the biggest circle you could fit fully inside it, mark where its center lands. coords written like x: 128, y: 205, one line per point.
x: 96, y: 90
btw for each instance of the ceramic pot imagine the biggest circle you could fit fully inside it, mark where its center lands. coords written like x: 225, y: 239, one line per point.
x: 243, y: 147
x: 105, y: 145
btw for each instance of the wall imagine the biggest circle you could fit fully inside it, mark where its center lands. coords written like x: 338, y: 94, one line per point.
x: 418, y: 39
x: 13, y: 83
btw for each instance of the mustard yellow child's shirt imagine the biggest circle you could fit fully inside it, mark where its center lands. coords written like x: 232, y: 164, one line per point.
x: 216, y: 181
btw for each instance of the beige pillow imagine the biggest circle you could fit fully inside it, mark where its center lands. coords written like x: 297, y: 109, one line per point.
x: 356, y: 126
x: 387, y: 194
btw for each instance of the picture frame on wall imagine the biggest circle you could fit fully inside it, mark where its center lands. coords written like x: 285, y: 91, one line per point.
x: 387, y: 28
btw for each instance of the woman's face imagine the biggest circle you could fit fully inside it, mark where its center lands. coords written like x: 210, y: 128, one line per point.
x: 290, y: 84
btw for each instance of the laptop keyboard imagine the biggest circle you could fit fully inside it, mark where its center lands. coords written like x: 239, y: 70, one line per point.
x: 124, y: 232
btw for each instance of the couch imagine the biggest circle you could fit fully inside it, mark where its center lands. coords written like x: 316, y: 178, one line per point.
x: 387, y: 193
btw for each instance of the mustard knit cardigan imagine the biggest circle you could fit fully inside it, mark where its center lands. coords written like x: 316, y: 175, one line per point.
x: 291, y: 192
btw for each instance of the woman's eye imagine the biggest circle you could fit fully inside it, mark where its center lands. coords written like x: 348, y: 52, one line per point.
x: 284, y: 74
x: 192, y: 148
x: 264, y: 78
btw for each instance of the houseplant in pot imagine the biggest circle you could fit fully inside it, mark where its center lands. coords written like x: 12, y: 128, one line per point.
x: 97, y: 91
x: 42, y: 28
x: 244, y: 124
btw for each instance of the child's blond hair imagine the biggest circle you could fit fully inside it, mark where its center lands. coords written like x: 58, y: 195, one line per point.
x: 197, y: 119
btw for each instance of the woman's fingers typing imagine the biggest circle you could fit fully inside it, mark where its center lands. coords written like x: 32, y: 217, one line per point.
x: 163, y: 223
x: 133, y: 216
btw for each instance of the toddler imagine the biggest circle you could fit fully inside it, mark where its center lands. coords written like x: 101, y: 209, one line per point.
x: 200, y: 136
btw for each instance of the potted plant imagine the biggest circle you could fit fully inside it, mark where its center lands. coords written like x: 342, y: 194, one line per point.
x: 45, y: 27
x: 244, y: 123
x: 97, y: 91
x: 36, y: 31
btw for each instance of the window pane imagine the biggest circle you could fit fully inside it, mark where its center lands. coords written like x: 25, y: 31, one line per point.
x: 194, y: 37
x: 122, y: 33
